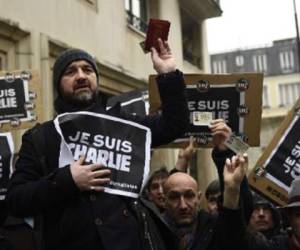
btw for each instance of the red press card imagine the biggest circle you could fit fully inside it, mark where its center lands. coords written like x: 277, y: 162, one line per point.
x: 156, y: 29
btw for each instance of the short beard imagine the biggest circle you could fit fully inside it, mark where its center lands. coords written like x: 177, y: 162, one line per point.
x: 83, y: 98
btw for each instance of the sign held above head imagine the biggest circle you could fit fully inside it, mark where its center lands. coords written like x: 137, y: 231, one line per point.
x: 20, y: 100
x: 279, y: 165
x: 235, y: 98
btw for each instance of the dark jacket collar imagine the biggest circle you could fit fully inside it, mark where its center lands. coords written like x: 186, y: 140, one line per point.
x: 61, y: 106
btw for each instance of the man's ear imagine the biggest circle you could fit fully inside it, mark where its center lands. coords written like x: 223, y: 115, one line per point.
x: 199, y: 196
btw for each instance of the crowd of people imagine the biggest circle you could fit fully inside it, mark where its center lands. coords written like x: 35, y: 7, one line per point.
x: 52, y: 207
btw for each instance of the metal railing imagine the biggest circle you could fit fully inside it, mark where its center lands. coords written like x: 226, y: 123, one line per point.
x: 136, y: 22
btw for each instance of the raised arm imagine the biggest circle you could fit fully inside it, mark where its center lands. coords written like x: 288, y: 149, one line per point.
x: 185, y: 155
x: 221, y: 131
x: 234, y: 172
x: 231, y: 229
x: 173, y: 120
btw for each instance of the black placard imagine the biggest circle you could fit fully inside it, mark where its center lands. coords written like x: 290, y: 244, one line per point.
x: 283, y: 164
x: 6, y: 158
x: 223, y: 101
x: 120, y: 145
x: 12, y: 100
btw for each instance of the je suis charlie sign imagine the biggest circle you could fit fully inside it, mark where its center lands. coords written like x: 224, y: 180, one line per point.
x: 120, y: 145
x: 19, y: 99
x: 235, y: 98
x: 279, y: 165
x: 6, y: 161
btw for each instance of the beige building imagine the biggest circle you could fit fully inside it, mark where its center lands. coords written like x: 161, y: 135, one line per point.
x: 34, y: 32
x: 279, y: 62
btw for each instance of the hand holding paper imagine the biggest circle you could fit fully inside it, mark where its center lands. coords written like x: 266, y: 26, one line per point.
x: 89, y: 177
x: 220, y: 132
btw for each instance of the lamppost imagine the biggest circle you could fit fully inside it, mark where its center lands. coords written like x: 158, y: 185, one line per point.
x: 297, y: 30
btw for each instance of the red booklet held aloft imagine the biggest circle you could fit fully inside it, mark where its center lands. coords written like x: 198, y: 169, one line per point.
x: 156, y: 29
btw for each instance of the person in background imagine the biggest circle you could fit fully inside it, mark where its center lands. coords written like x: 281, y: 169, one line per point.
x: 265, y: 218
x: 213, y: 196
x: 154, y: 188
x: 181, y: 214
x: 237, y: 236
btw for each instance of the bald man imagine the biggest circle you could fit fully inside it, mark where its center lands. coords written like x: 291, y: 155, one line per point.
x: 194, y: 228
x: 182, y: 199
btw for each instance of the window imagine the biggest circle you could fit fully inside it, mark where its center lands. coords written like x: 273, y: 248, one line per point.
x: 265, y: 96
x: 219, y: 67
x: 191, y: 39
x: 260, y: 63
x: 239, y: 61
x: 288, y: 93
x: 286, y: 59
x: 137, y: 14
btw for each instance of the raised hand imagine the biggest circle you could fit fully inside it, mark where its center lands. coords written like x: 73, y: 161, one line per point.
x: 163, y: 61
x: 190, y: 150
x: 186, y: 154
x: 220, y: 132
x: 235, y: 170
x: 89, y: 177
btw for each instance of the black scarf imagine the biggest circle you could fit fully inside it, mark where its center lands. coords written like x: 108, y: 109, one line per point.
x: 61, y: 106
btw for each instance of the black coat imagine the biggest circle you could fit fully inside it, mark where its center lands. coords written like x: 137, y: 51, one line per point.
x: 210, y: 228
x: 234, y: 235
x: 86, y: 220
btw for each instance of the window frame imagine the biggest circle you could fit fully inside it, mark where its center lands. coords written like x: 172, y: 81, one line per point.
x: 239, y: 60
x: 138, y: 23
x: 288, y: 93
x: 220, y: 66
x: 265, y: 97
x: 260, y: 62
x: 287, y: 61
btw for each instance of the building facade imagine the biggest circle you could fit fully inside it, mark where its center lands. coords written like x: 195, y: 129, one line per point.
x: 279, y: 62
x: 34, y: 32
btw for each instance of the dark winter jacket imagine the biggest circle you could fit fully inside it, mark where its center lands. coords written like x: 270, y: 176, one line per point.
x: 205, y: 236
x: 209, y: 228
x: 235, y: 235
x: 86, y: 220
x: 258, y: 200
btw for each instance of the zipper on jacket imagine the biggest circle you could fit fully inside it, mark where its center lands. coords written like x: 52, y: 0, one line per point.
x: 147, y: 234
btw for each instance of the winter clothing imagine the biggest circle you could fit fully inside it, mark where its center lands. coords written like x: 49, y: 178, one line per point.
x: 67, y: 57
x: 235, y: 235
x: 206, y: 232
x: 88, y: 220
x: 199, y: 236
x: 276, y: 217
